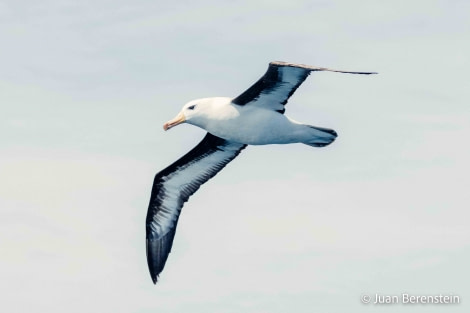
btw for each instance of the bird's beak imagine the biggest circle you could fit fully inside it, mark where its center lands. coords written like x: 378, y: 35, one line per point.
x: 177, y: 120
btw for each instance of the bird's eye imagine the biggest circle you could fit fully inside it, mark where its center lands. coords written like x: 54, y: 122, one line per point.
x: 191, y: 107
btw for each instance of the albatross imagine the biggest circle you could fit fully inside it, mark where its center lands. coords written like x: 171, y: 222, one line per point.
x: 255, y: 117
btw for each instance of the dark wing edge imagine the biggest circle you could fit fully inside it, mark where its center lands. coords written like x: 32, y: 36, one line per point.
x: 280, y: 82
x: 315, y: 68
x: 173, y: 186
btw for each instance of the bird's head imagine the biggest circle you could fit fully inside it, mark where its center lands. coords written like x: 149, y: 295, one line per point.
x: 193, y: 112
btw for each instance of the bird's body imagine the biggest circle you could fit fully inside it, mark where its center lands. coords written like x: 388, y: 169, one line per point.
x: 256, y: 117
x: 254, y: 125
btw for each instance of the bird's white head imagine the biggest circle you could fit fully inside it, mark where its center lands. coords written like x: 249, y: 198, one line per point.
x: 194, y: 112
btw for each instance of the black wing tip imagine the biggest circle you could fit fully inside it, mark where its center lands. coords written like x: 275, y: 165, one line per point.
x: 364, y: 73
x: 315, y: 68
x: 154, y: 278
x: 156, y: 258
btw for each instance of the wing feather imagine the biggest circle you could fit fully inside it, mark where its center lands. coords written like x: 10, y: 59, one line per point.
x: 173, y: 186
x: 280, y: 82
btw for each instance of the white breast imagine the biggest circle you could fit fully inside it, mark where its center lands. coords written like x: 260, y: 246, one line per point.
x: 252, y: 125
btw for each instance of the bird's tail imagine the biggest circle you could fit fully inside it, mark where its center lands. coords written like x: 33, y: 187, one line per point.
x: 320, y: 136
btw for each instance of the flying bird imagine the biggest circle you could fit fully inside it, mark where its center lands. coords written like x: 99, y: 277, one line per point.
x: 256, y: 117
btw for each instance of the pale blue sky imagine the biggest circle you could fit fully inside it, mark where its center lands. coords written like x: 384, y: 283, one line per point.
x: 85, y: 88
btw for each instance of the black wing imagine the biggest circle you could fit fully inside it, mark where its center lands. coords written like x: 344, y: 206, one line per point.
x: 173, y: 186
x: 279, y: 82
